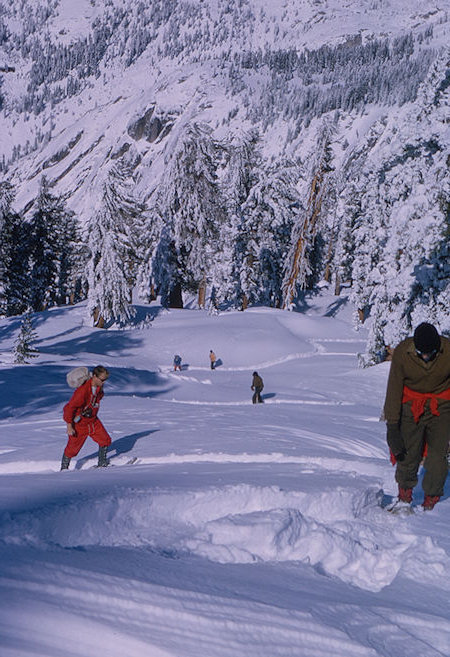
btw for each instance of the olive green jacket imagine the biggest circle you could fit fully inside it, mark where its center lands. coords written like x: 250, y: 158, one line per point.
x: 257, y: 382
x: 408, y: 369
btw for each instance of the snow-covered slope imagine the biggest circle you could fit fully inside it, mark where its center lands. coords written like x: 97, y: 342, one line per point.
x: 223, y: 528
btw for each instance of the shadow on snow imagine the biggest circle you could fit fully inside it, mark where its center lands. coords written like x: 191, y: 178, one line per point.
x: 37, y: 389
x: 121, y: 446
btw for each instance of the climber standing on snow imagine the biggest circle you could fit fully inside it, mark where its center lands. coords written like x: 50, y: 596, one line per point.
x: 417, y: 412
x: 80, y: 415
x: 257, y: 386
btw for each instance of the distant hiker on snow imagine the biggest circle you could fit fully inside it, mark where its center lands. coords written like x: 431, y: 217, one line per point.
x: 80, y: 415
x: 257, y: 386
x: 176, y: 363
x: 417, y: 412
x: 212, y: 359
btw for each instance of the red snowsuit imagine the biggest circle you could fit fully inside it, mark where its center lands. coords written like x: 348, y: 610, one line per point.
x: 83, y: 398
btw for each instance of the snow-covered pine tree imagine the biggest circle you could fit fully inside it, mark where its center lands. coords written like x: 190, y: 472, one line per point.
x: 109, y: 264
x: 54, y: 242
x: 347, y: 215
x: 190, y: 203
x: 7, y: 194
x: 166, y: 271
x: 240, y: 176
x: 131, y: 216
x: 268, y: 216
x: 15, y: 275
x: 23, y: 347
x: 152, y: 225
x: 430, y: 296
x: 160, y: 269
x: 370, y: 233
x: 406, y: 197
x: 73, y: 255
x: 14, y: 256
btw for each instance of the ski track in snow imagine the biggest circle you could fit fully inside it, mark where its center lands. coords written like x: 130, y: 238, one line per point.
x: 318, y: 349
x: 325, y: 463
x: 305, y: 402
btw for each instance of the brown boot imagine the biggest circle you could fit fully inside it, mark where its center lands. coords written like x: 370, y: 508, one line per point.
x: 430, y: 501
x: 405, y: 494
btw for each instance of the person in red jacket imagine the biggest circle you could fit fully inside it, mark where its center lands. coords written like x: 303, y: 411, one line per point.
x: 80, y: 415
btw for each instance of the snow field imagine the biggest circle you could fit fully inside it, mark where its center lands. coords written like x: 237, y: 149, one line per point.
x: 343, y: 532
x: 222, y: 528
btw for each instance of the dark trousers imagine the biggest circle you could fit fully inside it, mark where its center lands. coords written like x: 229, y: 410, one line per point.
x: 256, y: 399
x: 434, y: 431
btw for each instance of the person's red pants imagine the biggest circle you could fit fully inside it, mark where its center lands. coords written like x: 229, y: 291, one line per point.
x: 83, y: 429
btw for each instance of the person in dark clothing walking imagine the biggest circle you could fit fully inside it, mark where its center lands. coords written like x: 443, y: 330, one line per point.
x: 417, y: 413
x: 257, y: 386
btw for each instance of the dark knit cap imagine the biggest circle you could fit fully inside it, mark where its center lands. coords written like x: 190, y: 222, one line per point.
x: 426, y: 338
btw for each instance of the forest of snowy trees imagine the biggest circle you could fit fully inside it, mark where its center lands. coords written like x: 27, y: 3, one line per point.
x: 294, y: 86
x: 224, y: 221
x: 41, y: 259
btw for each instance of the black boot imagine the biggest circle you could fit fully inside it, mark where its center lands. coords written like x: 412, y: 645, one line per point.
x: 102, y: 460
x: 65, y: 462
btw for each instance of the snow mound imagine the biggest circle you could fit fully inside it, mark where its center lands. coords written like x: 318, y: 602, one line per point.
x: 342, y: 533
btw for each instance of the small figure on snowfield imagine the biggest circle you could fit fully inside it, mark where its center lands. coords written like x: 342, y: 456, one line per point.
x: 212, y: 359
x: 80, y: 415
x: 257, y: 386
x: 176, y: 363
x: 417, y: 412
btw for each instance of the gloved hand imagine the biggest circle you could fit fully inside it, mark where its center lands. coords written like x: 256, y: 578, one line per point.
x: 395, y: 441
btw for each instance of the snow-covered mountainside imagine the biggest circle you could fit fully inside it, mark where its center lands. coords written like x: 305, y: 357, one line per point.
x: 92, y: 80
x: 347, y: 100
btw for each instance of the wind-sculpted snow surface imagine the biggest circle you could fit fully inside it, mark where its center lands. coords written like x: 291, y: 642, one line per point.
x: 221, y: 528
x: 343, y: 533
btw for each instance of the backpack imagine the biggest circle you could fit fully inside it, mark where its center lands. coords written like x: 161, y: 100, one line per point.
x: 76, y: 377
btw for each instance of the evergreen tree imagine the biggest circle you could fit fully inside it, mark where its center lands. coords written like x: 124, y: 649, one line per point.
x: 23, y: 348
x: 14, y: 256
x: 109, y: 267
x: 54, y: 250
x: 268, y: 216
x: 401, y: 270
x: 241, y: 175
x: 166, y: 270
x: 190, y: 207
x: 130, y: 213
x: 348, y: 212
x: 370, y: 234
